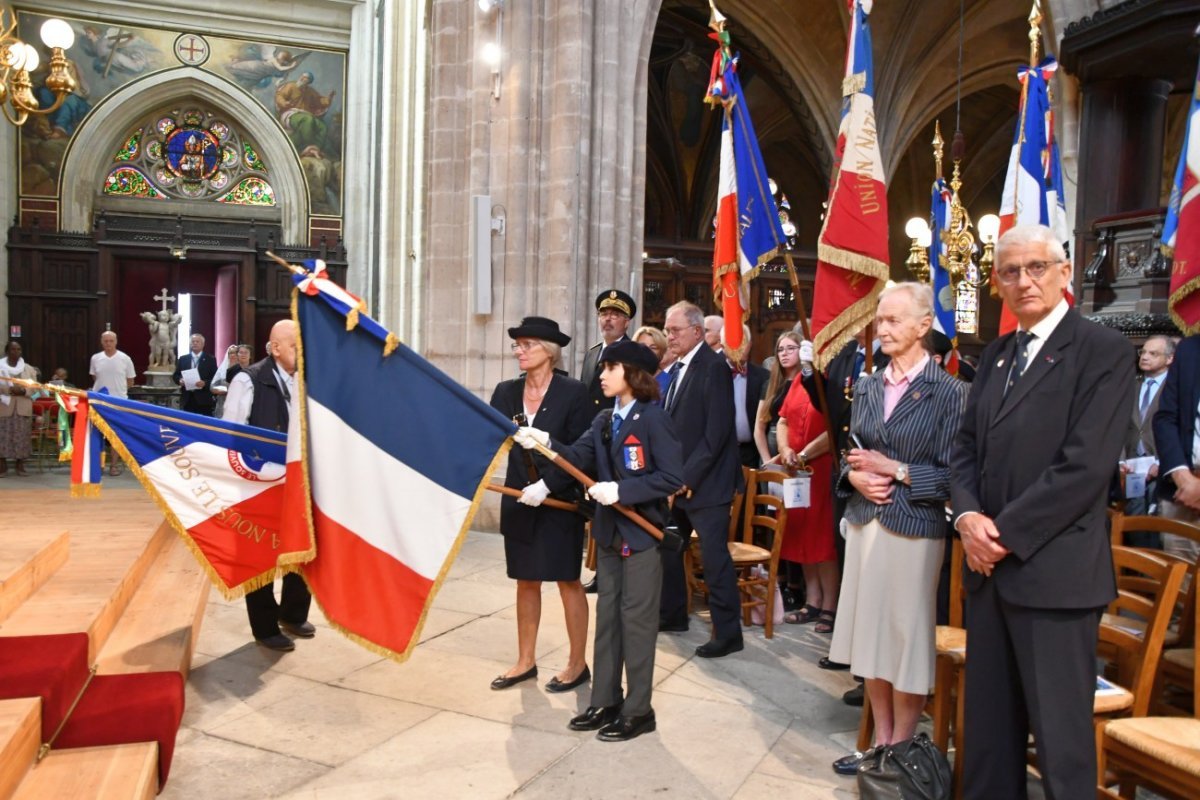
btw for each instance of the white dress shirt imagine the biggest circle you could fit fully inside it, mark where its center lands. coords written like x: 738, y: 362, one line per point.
x: 240, y: 399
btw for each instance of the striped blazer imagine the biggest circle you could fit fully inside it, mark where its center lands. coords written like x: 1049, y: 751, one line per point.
x: 920, y: 434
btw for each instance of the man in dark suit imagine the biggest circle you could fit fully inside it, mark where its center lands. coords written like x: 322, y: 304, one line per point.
x: 1175, y: 427
x: 699, y: 400
x: 614, y: 310
x: 261, y: 395
x: 199, y: 400
x: 1030, y: 474
x: 1153, y: 360
x: 748, y: 382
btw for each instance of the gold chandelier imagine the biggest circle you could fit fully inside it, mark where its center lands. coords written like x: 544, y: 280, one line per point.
x: 962, y: 259
x: 18, y: 59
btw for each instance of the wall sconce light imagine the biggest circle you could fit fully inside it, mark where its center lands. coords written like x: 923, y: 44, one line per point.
x: 491, y: 53
x: 178, y: 251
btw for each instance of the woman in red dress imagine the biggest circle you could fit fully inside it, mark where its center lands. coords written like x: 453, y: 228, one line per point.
x: 808, y: 540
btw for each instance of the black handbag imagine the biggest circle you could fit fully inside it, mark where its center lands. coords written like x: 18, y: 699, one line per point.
x: 911, y: 770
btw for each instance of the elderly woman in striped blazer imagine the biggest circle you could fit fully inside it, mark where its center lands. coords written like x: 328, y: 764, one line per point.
x: 897, y: 479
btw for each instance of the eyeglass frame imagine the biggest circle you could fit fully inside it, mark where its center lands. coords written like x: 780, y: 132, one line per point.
x: 526, y: 347
x: 1036, y: 270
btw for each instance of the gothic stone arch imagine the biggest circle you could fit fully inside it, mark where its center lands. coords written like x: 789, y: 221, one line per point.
x: 103, y: 131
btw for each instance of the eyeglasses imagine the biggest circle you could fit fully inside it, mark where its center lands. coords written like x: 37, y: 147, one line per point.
x: 523, y: 346
x: 1035, y: 269
x: 677, y: 331
x: 792, y: 349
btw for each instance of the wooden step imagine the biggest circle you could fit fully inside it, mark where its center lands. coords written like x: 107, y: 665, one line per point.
x: 115, y: 772
x: 157, y: 632
x: 114, y: 540
x: 27, y: 561
x: 20, y: 726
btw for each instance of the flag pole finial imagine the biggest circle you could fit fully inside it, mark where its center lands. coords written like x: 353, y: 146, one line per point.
x: 938, y: 143
x: 716, y: 20
x: 1035, y: 32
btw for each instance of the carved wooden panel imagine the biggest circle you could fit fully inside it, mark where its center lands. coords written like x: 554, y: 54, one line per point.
x: 68, y: 339
x: 63, y: 273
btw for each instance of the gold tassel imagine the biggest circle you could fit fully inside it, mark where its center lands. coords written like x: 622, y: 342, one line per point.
x: 389, y: 346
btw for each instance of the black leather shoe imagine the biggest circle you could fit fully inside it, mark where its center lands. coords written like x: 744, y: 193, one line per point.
x: 673, y: 627
x: 594, y: 718
x: 590, y: 587
x: 848, y: 765
x: 627, y: 728
x: 854, y: 697
x: 278, y: 642
x: 301, y: 630
x: 720, y: 647
x: 503, y: 681
x: 826, y: 663
x: 555, y: 685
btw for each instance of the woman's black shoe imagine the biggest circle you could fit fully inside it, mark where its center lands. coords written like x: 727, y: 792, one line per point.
x: 555, y: 685
x: 503, y: 682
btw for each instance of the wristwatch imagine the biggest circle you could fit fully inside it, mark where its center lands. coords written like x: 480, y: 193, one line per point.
x: 901, y: 473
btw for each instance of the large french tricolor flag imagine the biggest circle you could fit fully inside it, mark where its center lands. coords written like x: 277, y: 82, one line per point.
x: 748, y: 231
x: 1181, y: 231
x: 397, y: 456
x: 1033, y: 187
x: 944, y: 299
x: 220, y: 485
x: 852, y: 251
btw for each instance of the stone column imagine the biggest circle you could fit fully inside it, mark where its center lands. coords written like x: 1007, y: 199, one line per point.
x: 561, y: 153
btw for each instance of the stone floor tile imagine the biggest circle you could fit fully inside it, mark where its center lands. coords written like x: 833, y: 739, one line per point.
x: 475, y: 597
x: 759, y: 786
x: 224, y: 689
x: 448, y: 756
x: 208, y: 766
x: 324, y: 724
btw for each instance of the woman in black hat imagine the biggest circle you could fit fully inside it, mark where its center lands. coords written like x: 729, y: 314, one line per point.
x: 636, y: 457
x: 542, y: 543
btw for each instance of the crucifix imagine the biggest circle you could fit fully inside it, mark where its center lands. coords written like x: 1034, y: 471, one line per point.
x: 165, y: 298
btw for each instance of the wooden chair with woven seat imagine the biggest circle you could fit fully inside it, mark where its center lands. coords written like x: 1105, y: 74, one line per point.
x: 1179, y: 645
x: 693, y: 562
x: 765, y: 512
x: 1134, y: 628
x: 1131, y: 635
x: 1161, y: 754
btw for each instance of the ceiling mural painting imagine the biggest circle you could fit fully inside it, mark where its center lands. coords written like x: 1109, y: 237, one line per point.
x: 302, y: 88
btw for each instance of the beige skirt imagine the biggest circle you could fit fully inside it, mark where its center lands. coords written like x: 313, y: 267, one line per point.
x: 887, y: 609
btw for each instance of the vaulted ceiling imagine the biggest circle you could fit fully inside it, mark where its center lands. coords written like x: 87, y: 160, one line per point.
x: 793, y: 55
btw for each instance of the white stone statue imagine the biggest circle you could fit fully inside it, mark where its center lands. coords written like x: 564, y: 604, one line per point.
x: 164, y: 335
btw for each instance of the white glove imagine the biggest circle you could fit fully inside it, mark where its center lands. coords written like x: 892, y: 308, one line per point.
x: 529, y: 438
x: 604, y: 493
x: 534, y: 494
x: 806, y: 351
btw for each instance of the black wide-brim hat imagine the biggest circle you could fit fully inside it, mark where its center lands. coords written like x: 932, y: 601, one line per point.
x: 540, y: 328
x: 615, y: 298
x: 631, y: 353
x: 941, y: 342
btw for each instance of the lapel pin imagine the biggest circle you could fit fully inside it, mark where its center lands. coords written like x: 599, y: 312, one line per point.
x: 636, y: 416
x: 916, y: 395
x: 1000, y: 363
x: 1049, y: 359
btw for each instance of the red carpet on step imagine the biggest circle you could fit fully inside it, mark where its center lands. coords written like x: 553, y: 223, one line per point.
x: 115, y: 709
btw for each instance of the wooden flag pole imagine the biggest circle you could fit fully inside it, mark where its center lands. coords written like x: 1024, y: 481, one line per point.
x: 566, y: 466
x: 549, y: 502
x: 802, y: 310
